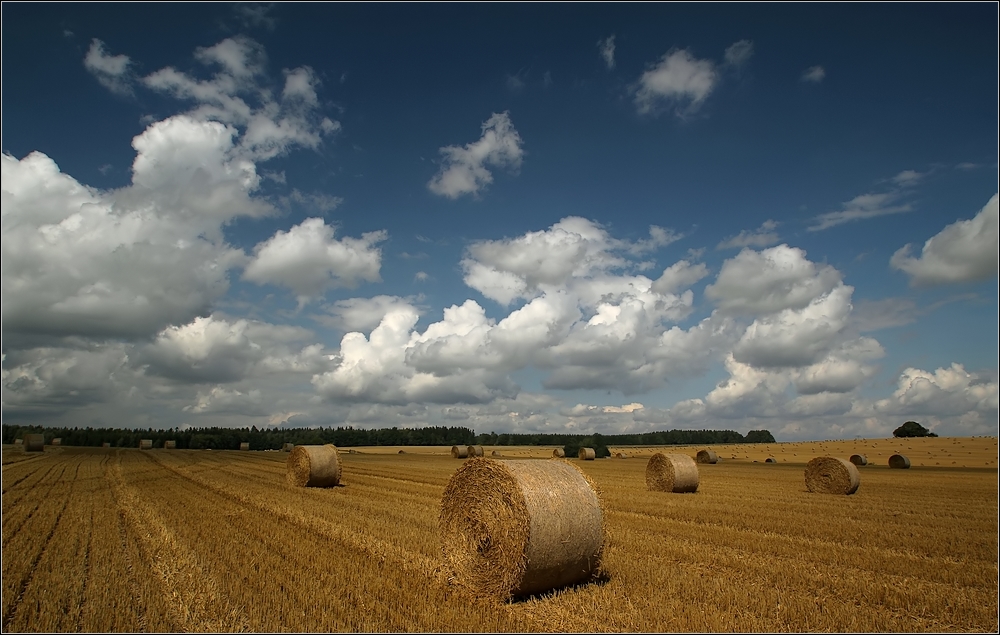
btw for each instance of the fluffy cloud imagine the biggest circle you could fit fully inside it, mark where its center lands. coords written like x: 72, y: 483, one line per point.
x: 770, y: 281
x: 739, y: 53
x: 112, y: 71
x: 51, y: 379
x: 679, y: 275
x: 965, y: 251
x: 813, y: 74
x: 362, y: 314
x: 464, y: 170
x: 763, y: 236
x: 860, y: 208
x: 607, y: 49
x: 309, y: 260
x: 678, y: 79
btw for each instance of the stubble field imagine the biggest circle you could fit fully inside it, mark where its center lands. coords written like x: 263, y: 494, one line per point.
x: 177, y: 540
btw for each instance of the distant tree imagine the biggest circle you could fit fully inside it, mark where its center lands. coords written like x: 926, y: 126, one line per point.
x: 912, y: 429
x: 759, y: 436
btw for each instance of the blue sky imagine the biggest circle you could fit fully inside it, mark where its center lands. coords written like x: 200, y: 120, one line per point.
x: 561, y: 217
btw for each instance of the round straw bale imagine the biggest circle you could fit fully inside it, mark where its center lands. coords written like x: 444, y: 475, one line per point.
x: 57, y: 441
x: 830, y: 475
x: 313, y: 466
x: 287, y: 447
x: 495, y: 453
x: 519, y: 527
x: 401, y: 452
x: 708, y: 456
x: 621, y: 455
x: 899, y: 462
x: 770, y: 459
x: 475, y: 450
x: 18, y: 441
x: 170, y: 445
x: 558, y: 453
x: 34, y: 443
x: 145, y: 444
x: 106, y: 444
x: 588, y: 454
x: 676, y: 473
x: 244, y: 445
x: 352, y: 451
x: 859, y: 459
x: 459, y: 451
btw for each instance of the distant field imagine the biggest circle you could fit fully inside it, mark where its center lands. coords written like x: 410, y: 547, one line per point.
x: 179, y: 540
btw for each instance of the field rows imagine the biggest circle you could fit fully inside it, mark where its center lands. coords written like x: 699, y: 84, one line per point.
x: 128, y: 540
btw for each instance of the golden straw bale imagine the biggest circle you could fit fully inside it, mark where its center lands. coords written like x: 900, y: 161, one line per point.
x: 621, y: 455
x: 859, y: 459
x: 313, y: 466
x: 677, y: 473
x: 558, y: 453
x: 18, y: 441
x: 495, y: 454
x: 519, y: 527
x: 459, y: 451
x: 770, y: 459
x: 899, y: 462
x: 475, y: 450
x: 831, y: 475
x: 287, y: 447
x: 145, y: 444
x: 244, y: 445
x: 57, y: 441
x: 708, y: 456
x: 170, y: 445
x: 34, y: 443
x: 588, y: 454
x: 106, y: 444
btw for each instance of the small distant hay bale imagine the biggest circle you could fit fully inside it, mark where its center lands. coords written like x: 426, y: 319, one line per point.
x: 559, y: 453
x: 287, y: 447
x: 831, y: 475
x: 18, y: 441
x: 708, y: 456
x: 677, y: 473
x: 899, y: 462
x: 106, y: 444
x: 859, y: 459
x: 352, y: 451
x: 495, y: 453
x: 313, y: 466
x: 459, y: 451
x: 475, y: 450
x: 588, y: 454
x: 57, y: 441
x: 145, y: 444
x: 170, y: 445
x: 34, y: 443
x: 400, y: 452
x: 505, y: 534
x: 244, y: 445
x: 621, y: 455
x: 770, y: 459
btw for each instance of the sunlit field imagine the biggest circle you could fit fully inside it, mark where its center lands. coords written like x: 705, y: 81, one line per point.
x: 199, y: 540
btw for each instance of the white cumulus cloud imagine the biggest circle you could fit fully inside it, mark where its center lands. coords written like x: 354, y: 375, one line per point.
x: 112, y: 71
x: 464, y: 169
x: 678, y: 79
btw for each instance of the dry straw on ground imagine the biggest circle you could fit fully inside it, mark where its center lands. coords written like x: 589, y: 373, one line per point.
x: 170, y: 445
x: 558, y: 453
x: 859, y: 459
x: 244, y: 446
x: 475, y: 450
x: 707, y: 456
x: 313, y: 466
x: 34, y: 442
x: 676, y: 473
x: 899, y: 462
x: 145, y: 444
x: 459, y: 451
x: 505, y: 534
x: 588, y: 454
x: 831, y: 475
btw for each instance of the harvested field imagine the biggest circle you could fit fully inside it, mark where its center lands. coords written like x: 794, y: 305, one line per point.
x: 89, y: 546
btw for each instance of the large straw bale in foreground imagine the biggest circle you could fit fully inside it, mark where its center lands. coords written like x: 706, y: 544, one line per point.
x: 34, y: 443
x: 830, y: 475
x: 676, y: 473
x: 859, y: 459
x: 899, y: 462
x: 708, y: 456
x: 558, y: 453
x: 313, y: 466
x: 518, y: 527
x: 475, y: 450
x: 588, y: 454
x: 459, y: 451
x: 145, y: 444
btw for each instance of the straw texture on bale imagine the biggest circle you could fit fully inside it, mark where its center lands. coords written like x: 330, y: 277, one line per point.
x: 106, y: 444
x: 475, y: 450
x: 899, y: 462
x: 145, y: 444
x: 558, y: 453
x: 588, y: 454
x: 770, y: 459
x: 830, y: 475
x: 244, y: 445
x: 57, y: 441
x: 708, y: 456
x: 287, y: 447
x: 34, y: 443
x: 170, y: 445
x: 859, y: 459
x: 519, y: 527
x: 459, y: 451
x: 677, y: 473
x: 313, y: 466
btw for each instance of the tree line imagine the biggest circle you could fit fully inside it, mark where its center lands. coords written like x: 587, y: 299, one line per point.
x: 274, y: 438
